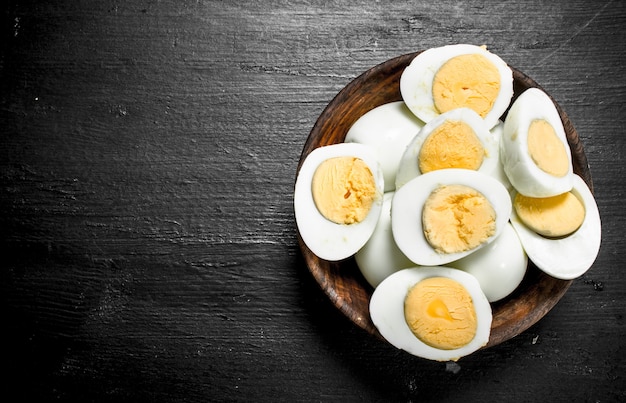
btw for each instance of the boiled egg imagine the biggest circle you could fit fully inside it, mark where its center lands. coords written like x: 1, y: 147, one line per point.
x: 380, y: 256
x: 567, y: 255
x: 437, y: 313
x: 448, y: 77
x: 499, y: 267
x: 338, y: 199
x: 388, y: 128
x: 534, y: 151
x: 455, y: 139
x: 444, y: 215
x: 498, y: 172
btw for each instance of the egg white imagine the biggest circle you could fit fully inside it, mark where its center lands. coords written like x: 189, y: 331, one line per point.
x: 568, y: 257
x: 525, y: 176
x: 416, y: 82
x: 387, y: 312
x: 380, y: 256
x: 408, y: 203
x: 388, y: 128
x: 498, y: 172
x: 408, y: 167
x: 326, y: 239
x: 499, y: 267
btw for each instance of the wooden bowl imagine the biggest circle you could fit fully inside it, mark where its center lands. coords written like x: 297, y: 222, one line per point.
x: 342, y: 281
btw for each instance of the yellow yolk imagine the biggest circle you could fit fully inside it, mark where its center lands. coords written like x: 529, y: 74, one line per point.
x: 470, y: 80
x: 453, y: 144
x: 555, y: 216
x: 546, y: 150
x: 343, y: 189
x: 440, y: 312
x: 457, y: 218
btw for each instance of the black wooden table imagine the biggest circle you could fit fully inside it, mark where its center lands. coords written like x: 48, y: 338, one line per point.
x: 147, y: 159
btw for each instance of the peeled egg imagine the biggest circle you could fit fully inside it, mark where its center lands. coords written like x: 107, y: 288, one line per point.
x: 388, y: 128
x: 437, y: 313
x: 534, y: 150
x: 499, y: 267
x: 569, y: 256
x: 498, y: 172
x: 424, y: 224
x: 455, y: 139
x: 380, y: 256
x: 338, y: 199
x: 453, y: 76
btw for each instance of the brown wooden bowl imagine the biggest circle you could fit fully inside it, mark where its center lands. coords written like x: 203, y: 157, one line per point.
x: 342, y: 281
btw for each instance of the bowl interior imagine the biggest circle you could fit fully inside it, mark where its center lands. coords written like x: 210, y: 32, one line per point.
x: 342, y: 281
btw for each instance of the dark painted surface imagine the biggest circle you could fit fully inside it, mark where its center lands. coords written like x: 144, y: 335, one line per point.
x: 147, y: 159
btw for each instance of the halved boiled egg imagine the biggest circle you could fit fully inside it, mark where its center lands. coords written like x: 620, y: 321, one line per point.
x: 455, y: 139
x: 447, y: 214
x: 561, y: 234
x: 499, y: 267
x: 380, y: 256
x: 338, y: 199
x: 388, y: 128
x: 448, y: 77
x: 437, y: 313
x: 534, y: 151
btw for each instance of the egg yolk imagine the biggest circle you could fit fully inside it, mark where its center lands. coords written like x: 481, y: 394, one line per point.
x: 546, y: 150
x: 343, y: 189
x: 453, y: 144
x: 440, y: 312
x: 552, y: 217
x: 469, y: 80
x: 457, y: 218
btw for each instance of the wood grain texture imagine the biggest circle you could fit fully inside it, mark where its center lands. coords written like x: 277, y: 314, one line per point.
x: 147, y: 160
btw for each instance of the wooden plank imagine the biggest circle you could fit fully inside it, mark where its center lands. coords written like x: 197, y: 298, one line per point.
x: 147, y: 161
